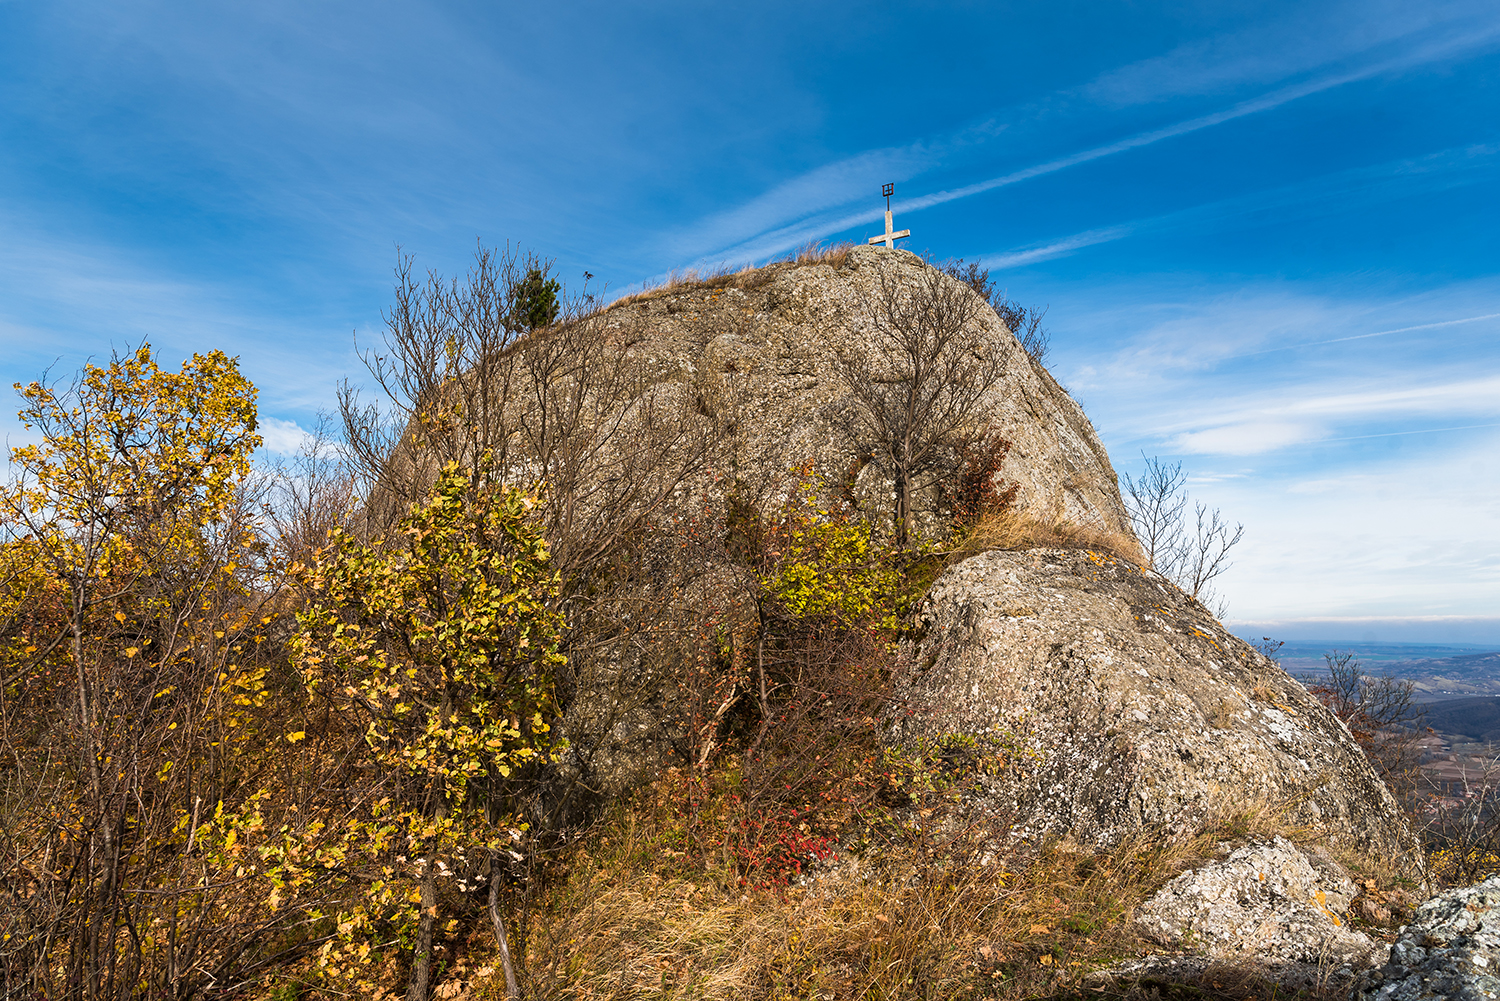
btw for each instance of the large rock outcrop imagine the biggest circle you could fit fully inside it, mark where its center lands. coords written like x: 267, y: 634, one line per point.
x: 1125, y: 705
x: 766, y: 346
x: 756, y: 356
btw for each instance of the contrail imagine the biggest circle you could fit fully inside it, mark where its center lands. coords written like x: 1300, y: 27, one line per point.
x: 794, y: 233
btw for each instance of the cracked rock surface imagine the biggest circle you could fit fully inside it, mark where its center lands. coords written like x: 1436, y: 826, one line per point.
x: 1121, y: 704
x: 1271, y: 901
x: 1451, y: 949
x: 768, y: 351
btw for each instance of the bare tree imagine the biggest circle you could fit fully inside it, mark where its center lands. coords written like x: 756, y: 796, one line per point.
x: 1270, y: 648
x: 308, y: 495
x: 1156, y: 502
x: 1381, y: 713
x: 1205, y: 552
x: 1191, y: 557
x: 922, y: 384
x: 558, y: 411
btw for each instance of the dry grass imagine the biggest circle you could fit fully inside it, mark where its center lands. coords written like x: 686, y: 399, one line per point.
x: 747, y: 277
x: 1012, y: 529
x: 931, y: 909
x: 832, y: 254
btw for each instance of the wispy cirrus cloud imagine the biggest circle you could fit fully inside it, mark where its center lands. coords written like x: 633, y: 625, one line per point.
x: 1334, y: 192
x: 819, y: 202
x: 1302, y: 413
x: 1310, y: 37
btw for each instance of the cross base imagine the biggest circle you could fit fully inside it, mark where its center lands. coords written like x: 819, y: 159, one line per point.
x: 889, y: 238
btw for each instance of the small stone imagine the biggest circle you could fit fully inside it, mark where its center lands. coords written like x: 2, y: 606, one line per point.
x: 1267, y: 901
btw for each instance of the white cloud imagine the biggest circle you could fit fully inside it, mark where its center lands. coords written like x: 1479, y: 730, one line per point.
x: 1058, y: 248
x: 813, y: 204
x: 285, y: 437
x: 64, y: 303
x: 1406, y: 534
x: 1314, y: 36
x: 1250, y: 438
x: 1342, y: 190
x: 774, y: 215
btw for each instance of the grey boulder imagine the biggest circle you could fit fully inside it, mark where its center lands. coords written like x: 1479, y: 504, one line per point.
x: 1121, y: 704
x: 1270, y: 901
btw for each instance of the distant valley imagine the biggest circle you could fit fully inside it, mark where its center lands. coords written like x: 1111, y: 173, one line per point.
x: 1437, y: 671
x: 1458, y: 685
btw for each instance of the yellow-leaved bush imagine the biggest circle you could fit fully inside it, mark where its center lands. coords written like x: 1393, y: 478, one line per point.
x: 437, y: 644
x: 819, y: 563
x: 441, y: 640
x: 128, y: 587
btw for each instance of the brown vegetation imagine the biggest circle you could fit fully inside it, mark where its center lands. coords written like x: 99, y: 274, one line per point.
x: 930, y: 905
x: 1013, y: 529
x: 684, y: 279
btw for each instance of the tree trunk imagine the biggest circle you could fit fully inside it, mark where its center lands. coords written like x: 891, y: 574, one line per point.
x: 421, y: 963
x: 512, y: 991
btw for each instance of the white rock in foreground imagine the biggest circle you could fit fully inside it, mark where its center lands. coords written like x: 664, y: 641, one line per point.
x: 1124, y: 705
x: 1451, y: 949
x: 1267, y: 901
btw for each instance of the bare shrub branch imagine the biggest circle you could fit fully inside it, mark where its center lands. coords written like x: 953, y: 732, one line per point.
x: 1025, y: 322
x: 1156, y: 502
x: 560, y: 411
x: 923, y: 384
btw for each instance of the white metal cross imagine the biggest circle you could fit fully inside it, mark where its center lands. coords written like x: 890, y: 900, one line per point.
x: 890, y: 238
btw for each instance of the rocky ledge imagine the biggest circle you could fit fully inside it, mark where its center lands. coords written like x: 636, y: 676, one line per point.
x: 1122, y: 704
x: 1451, y: 949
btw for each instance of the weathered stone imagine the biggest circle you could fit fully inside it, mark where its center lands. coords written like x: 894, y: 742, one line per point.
x: 768, y: 351
x: 1126, y: 705
x: 1451, y: 949
x: 1266, y: 901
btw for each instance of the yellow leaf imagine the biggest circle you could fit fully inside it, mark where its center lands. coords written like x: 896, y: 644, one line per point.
x: 294, y: 737
x: 131, y: 651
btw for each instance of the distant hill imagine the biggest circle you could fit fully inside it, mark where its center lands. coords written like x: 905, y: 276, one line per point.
x: 1460, y: 691
x: 1474, y: 717
x: 1448, y: 677
x: 1439, y: 671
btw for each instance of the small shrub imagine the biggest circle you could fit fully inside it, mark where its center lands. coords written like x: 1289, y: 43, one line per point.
x: 979, y: 492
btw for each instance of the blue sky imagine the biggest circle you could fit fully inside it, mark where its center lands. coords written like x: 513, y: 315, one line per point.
x: 1265, y: 232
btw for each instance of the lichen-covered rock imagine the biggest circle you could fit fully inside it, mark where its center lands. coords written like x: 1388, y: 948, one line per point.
x: 767, y: 348
x: 757, y: 359
x: 1270, y: 901
x: 1451, y: 949
x: 1125, y: 705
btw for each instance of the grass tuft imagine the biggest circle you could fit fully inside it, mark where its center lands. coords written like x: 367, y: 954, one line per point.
x: 746, y: 277
x: 936, y: 904
x: 1015, y: 529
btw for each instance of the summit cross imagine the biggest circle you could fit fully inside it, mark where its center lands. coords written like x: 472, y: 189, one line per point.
x: 890, y: 238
